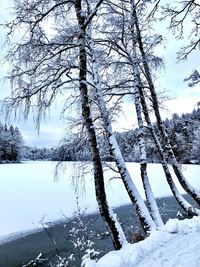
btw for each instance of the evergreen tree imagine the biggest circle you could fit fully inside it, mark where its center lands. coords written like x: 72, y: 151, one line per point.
x: 11, y: 144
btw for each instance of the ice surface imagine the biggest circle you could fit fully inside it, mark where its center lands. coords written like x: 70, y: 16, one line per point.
x: 29, y: 193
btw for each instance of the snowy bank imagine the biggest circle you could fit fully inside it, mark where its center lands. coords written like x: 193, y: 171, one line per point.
x: 176, y: 244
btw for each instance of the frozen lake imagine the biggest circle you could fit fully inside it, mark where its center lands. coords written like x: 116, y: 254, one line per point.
x: 29, y: 193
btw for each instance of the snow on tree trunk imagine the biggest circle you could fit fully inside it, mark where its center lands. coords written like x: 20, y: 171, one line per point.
x: 143, y: 214
x: 143, y: 165
x: 141, y: 138
x: 166, y: 143
x: 180, y: 199
x: 112, y: 224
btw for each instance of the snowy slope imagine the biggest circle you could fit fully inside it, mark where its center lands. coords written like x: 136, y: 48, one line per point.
x: 175, y: 245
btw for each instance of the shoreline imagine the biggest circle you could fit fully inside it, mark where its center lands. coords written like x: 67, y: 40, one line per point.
x: 26, y: 246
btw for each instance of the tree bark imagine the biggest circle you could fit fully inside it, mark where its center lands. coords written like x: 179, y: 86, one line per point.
x: 133, y: 193
x: 106, y: 214
x: 165, y: 139
x: 180, y: 199
x: 141, y: 136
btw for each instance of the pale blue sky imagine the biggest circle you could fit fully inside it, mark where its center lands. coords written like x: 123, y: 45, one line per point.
x: 171, y: 79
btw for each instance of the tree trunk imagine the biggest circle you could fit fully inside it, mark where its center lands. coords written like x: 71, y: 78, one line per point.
x: 165, y: 140
x: 143, y: 165
x: 113, y: 226
x: 134, y: 195
x: 180, y: 199
x: 141, y: 136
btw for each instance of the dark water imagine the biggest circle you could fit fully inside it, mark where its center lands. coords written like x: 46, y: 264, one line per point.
x: 56, y: 239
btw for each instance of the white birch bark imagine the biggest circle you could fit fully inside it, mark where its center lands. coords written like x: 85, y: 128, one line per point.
x: 146, y: 184
x: 165, y: 139
x: 141, y: 137
x: 113, y: 225
x: 180, y: 199
x: 134, y: 195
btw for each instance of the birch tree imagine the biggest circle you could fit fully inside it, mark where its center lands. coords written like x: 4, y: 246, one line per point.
x: 117, y: 236
x: 165, y: 140
x: 120, y: 42
x: 45, y: 63
x: 180, y: 15
x: 134, y: 195
x: 123, y: 44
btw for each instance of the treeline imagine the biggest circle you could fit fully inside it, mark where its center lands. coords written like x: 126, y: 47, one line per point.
x: 35, y: 153
x: 184, y: 133
x: 11, y: 144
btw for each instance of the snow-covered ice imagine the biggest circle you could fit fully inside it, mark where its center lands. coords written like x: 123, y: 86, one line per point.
x: 175, y: 245
x: 29, y: 193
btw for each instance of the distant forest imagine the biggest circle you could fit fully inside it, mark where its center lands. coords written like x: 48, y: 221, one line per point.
x: 11, y: 144
x: 184, y: 133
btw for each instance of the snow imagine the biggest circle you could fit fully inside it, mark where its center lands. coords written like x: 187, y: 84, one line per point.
x: 122, y: 237
x: 29, y: 192
x: 175, y: 245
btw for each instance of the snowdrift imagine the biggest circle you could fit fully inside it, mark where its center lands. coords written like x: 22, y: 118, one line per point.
x: 176, y: 244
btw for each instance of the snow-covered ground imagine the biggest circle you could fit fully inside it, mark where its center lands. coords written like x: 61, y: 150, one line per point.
x: 175, y: 245
x: 29, y: 192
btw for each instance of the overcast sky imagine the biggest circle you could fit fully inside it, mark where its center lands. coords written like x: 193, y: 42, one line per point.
x: 170, y: 79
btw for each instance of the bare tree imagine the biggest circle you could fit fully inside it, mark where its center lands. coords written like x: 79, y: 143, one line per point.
x: 181, y: 14
x: 48, y: 63
x: 120, y: 43
x: 134, y: 195
x: 180, y: 199
x: 117, y: 236
x: 165, y: 139
x: 123, y: 47
x: 193, y: 79
x: 43, y: 66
